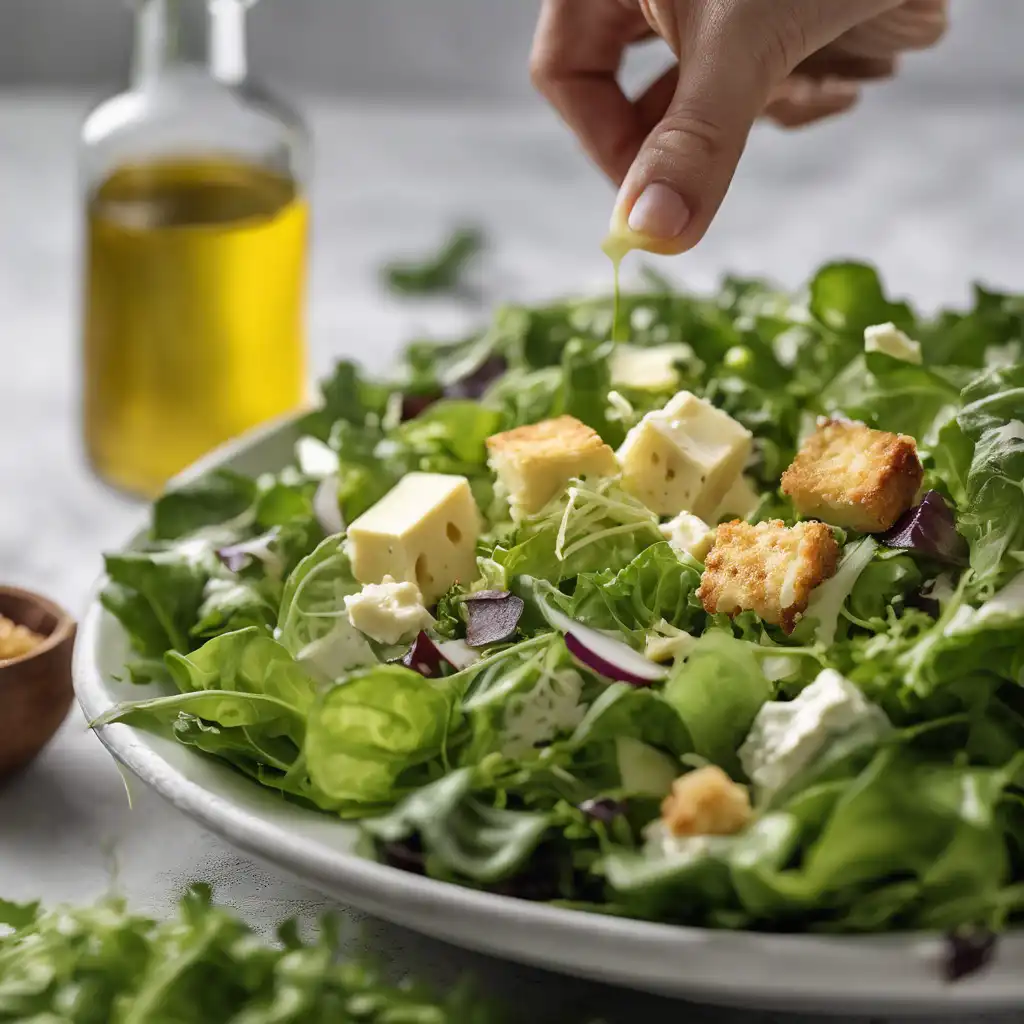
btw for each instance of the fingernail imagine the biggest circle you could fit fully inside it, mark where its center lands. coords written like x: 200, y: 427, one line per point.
x: 659, y: 212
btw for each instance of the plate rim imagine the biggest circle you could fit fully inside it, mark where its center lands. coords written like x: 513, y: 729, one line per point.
x: 362, y: 877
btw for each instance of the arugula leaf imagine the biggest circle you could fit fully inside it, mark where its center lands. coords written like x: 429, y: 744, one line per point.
x: 440, y: 273
x: 157, y: 596
x: 213, y: 499
x: 993, y: 518
x: 462, y: 834
x: 891, y: 395
x: 848, y: 298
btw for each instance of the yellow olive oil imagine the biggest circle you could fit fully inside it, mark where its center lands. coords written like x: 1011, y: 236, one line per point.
x: 195, y: 285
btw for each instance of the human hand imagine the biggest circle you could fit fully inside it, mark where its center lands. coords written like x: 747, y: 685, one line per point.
x: 674, y: 149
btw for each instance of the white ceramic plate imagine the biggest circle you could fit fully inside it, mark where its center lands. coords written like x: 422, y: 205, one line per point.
x: 887, y: 974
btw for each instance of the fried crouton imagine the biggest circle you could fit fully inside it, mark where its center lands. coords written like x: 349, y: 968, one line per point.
x: 852, y: 476
x: 536, y: 461
x: 705, y: 802
x: 769, y: 569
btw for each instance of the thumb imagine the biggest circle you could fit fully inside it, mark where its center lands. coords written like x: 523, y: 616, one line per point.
x: 728, y: 68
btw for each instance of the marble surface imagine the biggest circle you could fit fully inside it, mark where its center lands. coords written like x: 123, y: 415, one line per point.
x: 933, y: 195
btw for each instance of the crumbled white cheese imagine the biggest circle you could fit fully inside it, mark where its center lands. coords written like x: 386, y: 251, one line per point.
x: 389, y: 612
x: 688, y: 534
x: 787, y: 735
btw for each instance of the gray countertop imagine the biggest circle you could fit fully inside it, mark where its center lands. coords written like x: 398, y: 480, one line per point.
x: 934, y: 196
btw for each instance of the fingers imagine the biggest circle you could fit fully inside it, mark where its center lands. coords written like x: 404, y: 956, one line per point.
x: 801, y: 101
x: 577, y: 50
x: 732, y: 60
x: 913, y: 25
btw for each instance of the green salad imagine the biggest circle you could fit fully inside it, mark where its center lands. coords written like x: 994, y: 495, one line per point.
x: 102, y: 964
x: 722, y: 625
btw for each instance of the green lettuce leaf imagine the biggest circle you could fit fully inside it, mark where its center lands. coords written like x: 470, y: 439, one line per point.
x: 313, y: 624
x: 101, y: 963
x: 717, y: 692
x: 657, y: 584
x: 591, y: 527
x: 213, y: 499
x: 366, y: 736
x: 462, y: 834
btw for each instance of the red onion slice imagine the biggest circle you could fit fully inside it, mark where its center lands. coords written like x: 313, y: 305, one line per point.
x: 604, y: 654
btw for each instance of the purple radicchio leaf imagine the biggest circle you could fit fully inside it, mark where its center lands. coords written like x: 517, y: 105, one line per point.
x: 472, y: 385
x: 477, y: 381
x: 603, y: 809
x: 414, y: 404
x: 425, y: 657
x: 491, y: 617
x: 967, y: 950
x: 929, y: 529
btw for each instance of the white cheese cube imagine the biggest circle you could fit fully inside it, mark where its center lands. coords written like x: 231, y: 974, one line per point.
x: 535, y: 462
x: 388, y: 612
x: 423, y: 531
x: 787, y: 735
x: 688, y: 535
x: 891, y: 341
x: 684, y: 457
x: 648, y: 369
x: 740, y: 501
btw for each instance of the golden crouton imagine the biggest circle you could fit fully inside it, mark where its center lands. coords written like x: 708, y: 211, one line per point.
x: 536, y: 461
x: 852, y: 476
x: 769, y: 569
x: 705, y: 802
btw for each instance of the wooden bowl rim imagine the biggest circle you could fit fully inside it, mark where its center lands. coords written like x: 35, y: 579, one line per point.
x: 60, y: 633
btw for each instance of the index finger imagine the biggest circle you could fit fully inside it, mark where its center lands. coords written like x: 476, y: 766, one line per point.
x: 577, y: 51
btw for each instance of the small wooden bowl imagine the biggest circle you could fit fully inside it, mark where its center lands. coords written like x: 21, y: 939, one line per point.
x: 35, y: 689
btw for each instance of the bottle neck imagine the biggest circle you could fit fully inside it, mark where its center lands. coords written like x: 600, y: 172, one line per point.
x: 209, y: 33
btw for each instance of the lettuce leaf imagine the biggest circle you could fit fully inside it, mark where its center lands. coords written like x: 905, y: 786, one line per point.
x: 102, y: 963
x: 462, y: 834
x: 366, y: 735
x: 657, y: 584
x: 313, y: 623
x: 717, y: 692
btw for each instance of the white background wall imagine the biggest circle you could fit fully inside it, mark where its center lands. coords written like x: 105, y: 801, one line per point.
x: 426, y: 48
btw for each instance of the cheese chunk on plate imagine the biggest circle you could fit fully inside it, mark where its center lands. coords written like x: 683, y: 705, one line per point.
x: 684, y: 457
x: 423, y: 531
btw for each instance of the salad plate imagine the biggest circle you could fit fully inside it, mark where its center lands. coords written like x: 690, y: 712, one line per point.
x: 843, y: 919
